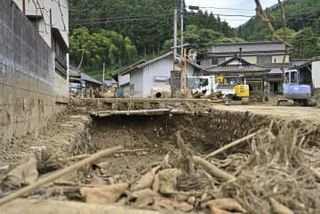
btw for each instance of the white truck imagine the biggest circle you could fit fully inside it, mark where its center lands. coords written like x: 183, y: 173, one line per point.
x: 230, y: 88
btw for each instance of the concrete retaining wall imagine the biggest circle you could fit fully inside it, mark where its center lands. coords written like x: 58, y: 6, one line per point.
x: 27, y: 76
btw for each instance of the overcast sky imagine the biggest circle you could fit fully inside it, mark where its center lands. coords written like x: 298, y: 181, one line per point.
x: 237, y: 4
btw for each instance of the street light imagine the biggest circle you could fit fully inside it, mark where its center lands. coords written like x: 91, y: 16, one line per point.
x: 191, y: 7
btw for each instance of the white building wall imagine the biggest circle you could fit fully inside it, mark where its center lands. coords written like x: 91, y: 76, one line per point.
x: 161, y: 68
x: 136, y: 83
x: 42, y: 8
x: 123, y: 79
x: 316, y: 74
x: 155, y: 73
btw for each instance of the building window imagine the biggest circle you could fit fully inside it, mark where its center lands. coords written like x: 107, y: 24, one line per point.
x: 264, y: 59
x: 161, y: 79
x: 217, y: 60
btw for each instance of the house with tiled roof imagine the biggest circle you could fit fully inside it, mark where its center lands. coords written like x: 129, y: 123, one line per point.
x: 252, y: 74
x: 268, y: 54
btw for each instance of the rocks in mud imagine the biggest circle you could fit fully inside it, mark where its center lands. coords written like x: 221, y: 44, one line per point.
x: 105, y: 194
x: 146, y: 181
x: 166, y: 181
x: 142, y: 198
x: 224, y: 206
x: 24, y: 174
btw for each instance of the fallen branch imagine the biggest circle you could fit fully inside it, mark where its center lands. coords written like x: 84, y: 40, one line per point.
x: 131, y: 112
x: 42, y: 206
x: 233, y: 144
x: 59, y: 174
x: 264, y: 17
x: 213, y: 170
x: 80, y: 157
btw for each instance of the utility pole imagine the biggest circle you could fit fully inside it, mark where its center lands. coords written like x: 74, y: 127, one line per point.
x: 182, y: 29
x: 103, y: 77
x: 24, y: 6
x: 175, y: 34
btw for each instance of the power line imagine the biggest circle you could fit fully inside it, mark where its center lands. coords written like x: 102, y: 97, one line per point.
x: 227, y: 8
x: 145, y: 17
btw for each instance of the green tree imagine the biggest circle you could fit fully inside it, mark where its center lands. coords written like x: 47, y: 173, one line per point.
x: 93, y: 49
x: 306, y: 43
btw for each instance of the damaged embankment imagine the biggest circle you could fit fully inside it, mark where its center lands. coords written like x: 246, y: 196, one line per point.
x: 167, y: 172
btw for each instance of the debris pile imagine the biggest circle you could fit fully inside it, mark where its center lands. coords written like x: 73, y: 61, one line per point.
x: 273, y: 170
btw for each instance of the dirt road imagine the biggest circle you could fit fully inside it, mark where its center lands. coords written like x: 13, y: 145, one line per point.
x: 302, y: 113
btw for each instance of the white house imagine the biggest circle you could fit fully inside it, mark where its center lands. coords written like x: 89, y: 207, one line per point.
x: 139, y: 79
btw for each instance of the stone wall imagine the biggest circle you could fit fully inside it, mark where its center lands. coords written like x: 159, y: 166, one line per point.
x: 27, y: 76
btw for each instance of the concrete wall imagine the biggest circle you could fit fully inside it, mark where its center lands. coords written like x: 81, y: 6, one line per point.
x: 27, y: 78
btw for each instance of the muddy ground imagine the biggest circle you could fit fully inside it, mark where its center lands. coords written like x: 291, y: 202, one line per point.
x: 269, y: 167
x: 154, y: 134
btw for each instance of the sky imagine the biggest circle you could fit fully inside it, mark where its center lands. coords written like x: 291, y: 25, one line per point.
x: 243, y: 7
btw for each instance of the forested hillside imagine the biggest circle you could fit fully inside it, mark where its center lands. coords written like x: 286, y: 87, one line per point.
x: 303, y: 22
x: 120, y: 31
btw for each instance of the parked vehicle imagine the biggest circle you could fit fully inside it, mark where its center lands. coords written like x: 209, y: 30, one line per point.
x: 231, y: 88
x: 293, y: 90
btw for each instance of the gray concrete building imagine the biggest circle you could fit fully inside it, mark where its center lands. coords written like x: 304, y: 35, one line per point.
x: 51, y: 19
x: 32, y: 85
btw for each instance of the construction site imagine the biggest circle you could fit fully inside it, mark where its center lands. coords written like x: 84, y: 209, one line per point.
x: 166, y: 156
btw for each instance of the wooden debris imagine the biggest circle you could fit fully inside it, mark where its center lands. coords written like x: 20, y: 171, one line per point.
x: 233, y: 144
x: 166, y: 181
x: 214, y: 210
x: 142, y: 198
x: 62, y: 207
x: 277, y: 208
x: 104, y: 195
x: 131, y: 112
x: 172, y: 205
x: 213, y: 170
x: 185, y: 161
x: 226, y: 204
x: 24, y: 174
x: 145, y: 181
x: 58, y: 174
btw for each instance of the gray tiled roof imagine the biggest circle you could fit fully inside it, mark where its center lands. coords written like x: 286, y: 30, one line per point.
x: 242, y: 66
x: 142, y: 63
x: 239, y: 69
x: 74, y: 72
x: 110, y: 82
x: 248, y: 47
x: 88, y: 78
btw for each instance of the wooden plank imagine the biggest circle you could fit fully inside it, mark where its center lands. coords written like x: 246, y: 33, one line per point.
x: 132, y: 112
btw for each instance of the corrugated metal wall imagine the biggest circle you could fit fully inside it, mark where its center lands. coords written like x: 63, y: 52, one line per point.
x: 123, y: 79
x: 161, y: 68
x: 136, y: 83
x: 316, y: 74
x: 156, y: 74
